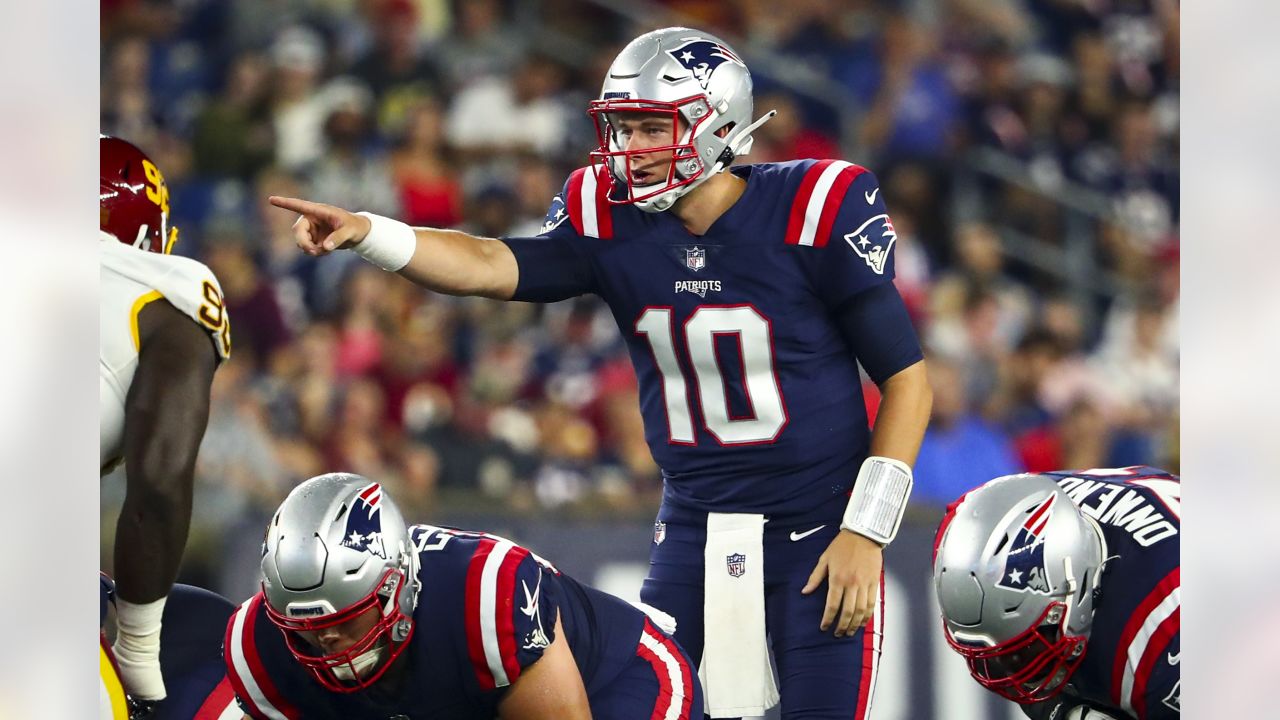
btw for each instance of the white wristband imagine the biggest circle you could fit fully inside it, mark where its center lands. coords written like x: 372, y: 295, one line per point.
x: 879, y: 498
x: 389, y: 244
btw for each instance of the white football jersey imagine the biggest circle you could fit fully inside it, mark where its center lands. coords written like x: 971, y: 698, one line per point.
x: 132, y: 278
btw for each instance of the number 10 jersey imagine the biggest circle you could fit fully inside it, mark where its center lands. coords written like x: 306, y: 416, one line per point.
x: 749, y: 382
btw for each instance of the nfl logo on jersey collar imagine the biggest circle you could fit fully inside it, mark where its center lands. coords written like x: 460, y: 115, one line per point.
x: 737, y: 564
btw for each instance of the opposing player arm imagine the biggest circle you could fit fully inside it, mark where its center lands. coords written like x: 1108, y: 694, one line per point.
x: 549, y: 689
x: 166, y: 412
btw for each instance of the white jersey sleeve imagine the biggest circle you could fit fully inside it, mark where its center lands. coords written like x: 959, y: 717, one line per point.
x: 130, y: 280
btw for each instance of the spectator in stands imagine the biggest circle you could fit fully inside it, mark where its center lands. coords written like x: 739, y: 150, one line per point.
x: 960, y: 450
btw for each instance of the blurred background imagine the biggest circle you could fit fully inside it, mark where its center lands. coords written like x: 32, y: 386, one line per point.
x: 1028, y: 151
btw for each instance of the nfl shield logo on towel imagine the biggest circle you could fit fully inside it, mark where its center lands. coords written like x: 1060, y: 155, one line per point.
x: 695, y: 258
x: 737, y: 563
x: 659, y: 532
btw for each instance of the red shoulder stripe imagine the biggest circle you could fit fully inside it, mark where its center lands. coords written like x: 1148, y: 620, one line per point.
x: 471, y: 605
x: 801, y: 201
x: 573, y: 202
x: 835, y: 198
x: 505, y: 608
x: 1131, y: 628
x: 229, y: 652
x: 1155, y: 648
x: 222, y: 697
x: 604, y: 210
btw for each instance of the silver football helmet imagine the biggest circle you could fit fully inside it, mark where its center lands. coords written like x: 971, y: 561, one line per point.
x: 338, y: 551
x: 691, y: 77
x: 1016, y: 565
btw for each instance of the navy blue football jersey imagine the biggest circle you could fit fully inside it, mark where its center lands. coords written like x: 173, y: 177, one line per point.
x: 486, y: 612
x: 1131, y: 663
x: 750, y: 392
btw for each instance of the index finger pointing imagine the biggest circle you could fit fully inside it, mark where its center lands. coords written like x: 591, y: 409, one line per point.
x: 295, y: 204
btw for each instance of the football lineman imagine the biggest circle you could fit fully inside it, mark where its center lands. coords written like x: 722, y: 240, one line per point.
x: 361, y: 616
x: 163, y: 332
x: 747, y: 296
x: 1061, y: 591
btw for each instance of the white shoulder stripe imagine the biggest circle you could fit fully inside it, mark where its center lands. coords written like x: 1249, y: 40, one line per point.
x: 674, y: 675
x: 241, y: 665
x: 590, y: 223
x: 818, y: 200
x: 489, y: 608
x: 1138, y: 648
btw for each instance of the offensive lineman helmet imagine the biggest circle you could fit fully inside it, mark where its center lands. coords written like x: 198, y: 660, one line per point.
x: 1016, y: 566
x: 695, y: 79
x: 133, y: 198
x: 336, y: 549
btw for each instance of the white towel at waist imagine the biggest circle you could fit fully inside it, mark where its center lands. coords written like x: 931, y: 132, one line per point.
x: 736, y: 673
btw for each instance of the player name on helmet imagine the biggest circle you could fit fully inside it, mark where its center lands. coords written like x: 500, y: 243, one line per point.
x: 1123, y: 507
x: 697, y: 287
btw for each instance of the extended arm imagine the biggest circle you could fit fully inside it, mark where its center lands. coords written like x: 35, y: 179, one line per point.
x: 444, y: 261
x: 549, y: 689
x: 166, y: 412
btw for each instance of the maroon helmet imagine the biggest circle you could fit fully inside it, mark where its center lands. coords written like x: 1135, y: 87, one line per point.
x: 133, y: 197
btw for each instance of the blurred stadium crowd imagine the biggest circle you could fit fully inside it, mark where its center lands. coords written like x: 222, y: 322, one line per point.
x: 1028, y: 151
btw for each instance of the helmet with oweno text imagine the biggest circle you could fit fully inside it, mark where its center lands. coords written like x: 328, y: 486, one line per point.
x: 337, y: 554
x: 694, y: 84
x: 1016, y: 566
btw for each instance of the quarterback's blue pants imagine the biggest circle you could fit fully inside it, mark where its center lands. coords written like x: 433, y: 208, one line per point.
x: 820, y: 676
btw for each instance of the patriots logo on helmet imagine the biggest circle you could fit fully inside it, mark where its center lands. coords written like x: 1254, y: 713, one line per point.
x: 1024, y: 568
x: 556, y: 214
x: 873, y: 240
x: 364, y: 522
x: 702, y: 57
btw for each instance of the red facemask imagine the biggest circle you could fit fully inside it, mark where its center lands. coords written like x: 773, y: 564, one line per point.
x: 1031, y: 667
x: 323, y: 666
x: 623, y: 164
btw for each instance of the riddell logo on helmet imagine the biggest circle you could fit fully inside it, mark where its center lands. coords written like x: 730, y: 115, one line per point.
x: 702, y: 57
x: 1024, y: 569
x: 364, y: 522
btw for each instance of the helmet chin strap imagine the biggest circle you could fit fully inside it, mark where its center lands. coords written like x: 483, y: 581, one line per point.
x: 742, y: 141
x: 362, y: 665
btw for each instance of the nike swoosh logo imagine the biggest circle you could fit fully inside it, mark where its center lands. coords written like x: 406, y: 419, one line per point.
x: 1175, y: 659
x: 871, y: 196
x: 531, y: 601
x: 796, y: 536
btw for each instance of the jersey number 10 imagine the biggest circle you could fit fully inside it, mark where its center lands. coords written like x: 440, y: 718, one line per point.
x: 755, y: 341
